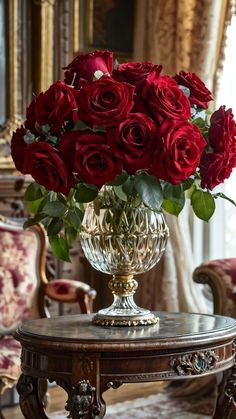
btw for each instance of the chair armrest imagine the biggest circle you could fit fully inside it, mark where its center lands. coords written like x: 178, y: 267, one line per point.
x: 220, y: 275
x: 70, y: 291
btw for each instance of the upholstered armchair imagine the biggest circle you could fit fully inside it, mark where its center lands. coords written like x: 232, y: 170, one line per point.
x: 220, y: 275
x: 25, y: 291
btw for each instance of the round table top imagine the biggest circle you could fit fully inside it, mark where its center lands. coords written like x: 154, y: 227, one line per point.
x: 175, y: 329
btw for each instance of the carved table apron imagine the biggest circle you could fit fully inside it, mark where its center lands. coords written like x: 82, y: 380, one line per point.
x: 86, y: 359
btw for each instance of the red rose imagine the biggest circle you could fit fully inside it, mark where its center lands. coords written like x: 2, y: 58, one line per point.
x: 104, y: 102
x: 199, y: 94
x: 133, y: 141
x: 136, y: 73
x: 164, y: 99
x: 18, y: 146
x: 45, y: 165
x: 56, y: 106
x: 179, y: 148
x: 84, y: 66
x: 215, y: 168
x: 88, y: 154
x: 222, y: 131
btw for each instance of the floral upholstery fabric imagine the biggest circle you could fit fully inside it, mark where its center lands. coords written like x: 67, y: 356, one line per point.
x: 64, y: 289
x: 226, y: 271
x: 10, y: 351
x: 18, y: 281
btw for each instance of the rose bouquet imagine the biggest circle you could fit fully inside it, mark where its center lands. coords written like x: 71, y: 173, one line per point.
x: 146, y: 136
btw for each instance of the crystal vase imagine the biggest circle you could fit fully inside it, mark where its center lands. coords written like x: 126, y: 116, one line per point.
x: 123, y: 240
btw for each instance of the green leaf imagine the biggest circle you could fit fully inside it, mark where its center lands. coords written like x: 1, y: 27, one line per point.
x: 74, y: 219
x: 129, y: 187
x: 185, y: 90
x: 186, y: 184
x: 32, y: 221
x: 29, y: 138
x: 173, y: 207
x: 149, y: 189
x: 174, y: 199
x: 81, y: 126
x: 120, y: 193
x: 221, y: 195
x: 98, y: 74
x: 49, y: 197
x: 33, y: 206
x: 70, y: 234
x: 54, y: 209
x: 119, y: 180
x: 85, y: 192
x: 203, y: 204
x: 173, y: 191
x: 116, y: 63
x: 55, y: 226
x: 59, y: 247
x: 34, y: 192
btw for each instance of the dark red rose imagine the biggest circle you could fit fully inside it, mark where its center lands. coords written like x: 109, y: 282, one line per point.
x: 104, y: 102
x: 136, y: 73
x: 199, y: 93
x: 179, y: 148
x: 85, y: 65
x: 164, y: 99
x: 46, y: 166
x: 56, y: 106
x: 133, y: 141
x: 88, y: 154
x: 222, y: 131
x: 18, y: 147
x: 215, y: 168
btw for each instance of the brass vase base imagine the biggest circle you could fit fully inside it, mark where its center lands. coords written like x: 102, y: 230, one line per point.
x: 121, y: 320
x: 124, y: 311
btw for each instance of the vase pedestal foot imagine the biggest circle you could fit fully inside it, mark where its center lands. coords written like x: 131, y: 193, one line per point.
x: 124, y: 311
x: 143, y: 318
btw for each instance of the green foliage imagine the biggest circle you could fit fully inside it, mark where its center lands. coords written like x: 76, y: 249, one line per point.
x: 203, y: 204
x: 149, y: 189
x: 174, y: 198
x: 85, y: 192
x: 59, y: 247
x: 34, y: 192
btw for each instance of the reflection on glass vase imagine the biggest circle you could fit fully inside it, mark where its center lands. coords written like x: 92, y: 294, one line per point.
x: 123, y: 239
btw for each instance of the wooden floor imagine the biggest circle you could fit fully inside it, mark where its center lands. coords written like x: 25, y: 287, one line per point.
x: 58, y: 397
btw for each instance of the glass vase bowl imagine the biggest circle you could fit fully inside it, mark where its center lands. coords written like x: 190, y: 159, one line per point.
x: 123, y: 241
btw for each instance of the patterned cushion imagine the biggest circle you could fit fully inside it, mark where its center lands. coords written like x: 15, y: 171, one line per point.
x: 226, y: 272
x: 64, y: 289
x: 10, y: 351
x: 18, y: 253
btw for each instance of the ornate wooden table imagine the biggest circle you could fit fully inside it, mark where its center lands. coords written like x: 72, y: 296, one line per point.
x: 86, y: 359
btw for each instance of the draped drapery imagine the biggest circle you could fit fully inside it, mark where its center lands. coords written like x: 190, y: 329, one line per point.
x: 181, y: 35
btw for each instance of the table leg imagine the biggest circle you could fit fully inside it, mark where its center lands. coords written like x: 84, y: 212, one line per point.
x: 84, y: 402
x: 226, y: 402
x: 30, y: 403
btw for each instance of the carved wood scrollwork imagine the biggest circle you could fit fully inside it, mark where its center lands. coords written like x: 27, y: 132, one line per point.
x: 114, y: 384
x: 80, y: 401
x: 194, y: 364
x: 24, y: 386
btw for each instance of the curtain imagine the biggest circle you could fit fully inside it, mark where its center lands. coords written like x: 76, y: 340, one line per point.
x: 181, y: 35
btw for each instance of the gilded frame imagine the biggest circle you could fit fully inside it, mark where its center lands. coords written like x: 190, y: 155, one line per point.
x: 18, y: 71
x: 90, y: 29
